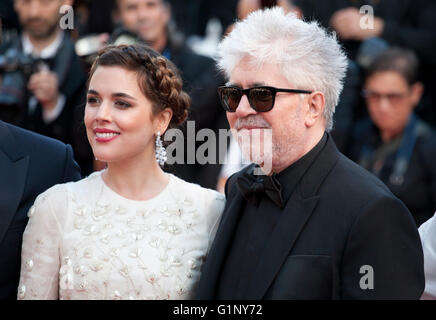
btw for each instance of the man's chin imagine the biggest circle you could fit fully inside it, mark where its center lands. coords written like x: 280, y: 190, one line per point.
x: 38, y: 35
x: 256, y: 155
x: 146, y: 37
x: 42, y: 32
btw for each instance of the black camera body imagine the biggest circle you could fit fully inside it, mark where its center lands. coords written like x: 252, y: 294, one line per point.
x: 15, y: 71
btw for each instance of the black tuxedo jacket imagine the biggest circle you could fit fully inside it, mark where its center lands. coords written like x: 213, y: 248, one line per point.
x: 341, y: 235
x: 29, y: 165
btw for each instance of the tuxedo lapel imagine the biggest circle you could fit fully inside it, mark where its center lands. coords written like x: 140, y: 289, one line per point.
x: 295, y: 215
x: 13, y: 172
x: 220, y: 247
x: 289, y: 226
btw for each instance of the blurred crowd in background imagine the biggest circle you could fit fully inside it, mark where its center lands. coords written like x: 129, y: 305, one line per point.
x: 384, y: 121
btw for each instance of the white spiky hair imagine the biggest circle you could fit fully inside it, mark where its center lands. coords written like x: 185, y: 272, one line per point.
x: 309, y: 57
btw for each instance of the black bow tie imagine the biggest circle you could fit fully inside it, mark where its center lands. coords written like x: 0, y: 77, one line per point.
x: 252, y: 187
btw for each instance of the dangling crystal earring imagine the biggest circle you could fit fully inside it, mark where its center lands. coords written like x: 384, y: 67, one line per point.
x: 161, y: 153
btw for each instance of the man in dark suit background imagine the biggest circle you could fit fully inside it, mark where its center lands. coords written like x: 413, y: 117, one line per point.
x: 311, y: 224
x: 50, y: 98
x: 29, y: 165
x: 393, y: 142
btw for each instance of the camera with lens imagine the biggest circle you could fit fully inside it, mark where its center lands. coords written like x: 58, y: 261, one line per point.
x: 15, y: 70
x: 87, y: 47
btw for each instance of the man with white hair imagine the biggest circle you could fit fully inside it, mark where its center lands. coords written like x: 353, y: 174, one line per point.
x: 303, y: 221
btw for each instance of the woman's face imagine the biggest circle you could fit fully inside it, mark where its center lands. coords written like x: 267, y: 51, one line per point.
x: 391, y: 100
x: 118, y: 117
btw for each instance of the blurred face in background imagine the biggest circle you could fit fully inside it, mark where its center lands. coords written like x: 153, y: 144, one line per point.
x: 39, y: 18
x: 390, y: 101
x: 147, y: 18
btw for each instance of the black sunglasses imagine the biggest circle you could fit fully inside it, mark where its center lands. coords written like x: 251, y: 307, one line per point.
x: 261, y: 99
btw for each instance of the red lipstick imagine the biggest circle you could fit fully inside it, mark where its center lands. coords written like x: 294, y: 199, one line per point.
x: 105, y: 135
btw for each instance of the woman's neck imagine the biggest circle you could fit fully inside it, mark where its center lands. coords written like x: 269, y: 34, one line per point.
x: 139, y: 178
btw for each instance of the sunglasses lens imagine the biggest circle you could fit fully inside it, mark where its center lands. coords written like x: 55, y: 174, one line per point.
x: 230, y: 98
x: 261, y: 99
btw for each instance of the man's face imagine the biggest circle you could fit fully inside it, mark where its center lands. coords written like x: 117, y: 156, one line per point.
x: 148, y: 18
x: 390, y: 100
x: 39, y: 18
x: 285, y: 121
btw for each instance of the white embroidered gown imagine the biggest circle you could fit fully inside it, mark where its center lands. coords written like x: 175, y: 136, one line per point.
x: 84, y: 241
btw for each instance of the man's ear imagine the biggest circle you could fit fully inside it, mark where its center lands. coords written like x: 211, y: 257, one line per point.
x: 417, y: 90
x: 315, y: 110
x: 116, y: 17
x: 167, y: 9
x: 15, y: 6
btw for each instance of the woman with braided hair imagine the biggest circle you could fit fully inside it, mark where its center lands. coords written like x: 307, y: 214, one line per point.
x: 130, y: 231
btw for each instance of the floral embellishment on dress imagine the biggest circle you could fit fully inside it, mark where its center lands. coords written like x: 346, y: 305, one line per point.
x: 105, y: 239
x: 96, y: 266
x: 135, y: 252
x: 79, y: 223
x: 88, y: 253
x: 143, y: 213
x: 66, y: 279
x: 91, y: 230
x: 83, y: 286
x: 187, y: 202
x: 151, y: 278
x: 173, y: 229
x: 29, y: 264
x: 124, y: 271
x: 79, y: 270
x: 115, y: 252
x: 116, y: 295
x: 180, y: 290
x: 120, y: 210
x: 137, y: 236
x: 22, y: 292
x: 162, y: 225
x: 80, y: 211
x: 31, y: 212
x: 175, y: 262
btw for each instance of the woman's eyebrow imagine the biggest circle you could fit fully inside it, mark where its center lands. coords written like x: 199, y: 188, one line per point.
x: 117, y: 94
x: 123, y: 95
x: 91, y: 91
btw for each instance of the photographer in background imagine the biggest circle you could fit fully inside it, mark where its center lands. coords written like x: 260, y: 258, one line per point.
x: 43, y: 81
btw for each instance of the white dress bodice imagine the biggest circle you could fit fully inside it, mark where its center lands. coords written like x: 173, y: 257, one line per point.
x: 85, y: 241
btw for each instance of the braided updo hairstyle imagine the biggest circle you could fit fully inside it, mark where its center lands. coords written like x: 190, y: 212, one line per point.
x: 158, y: 78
